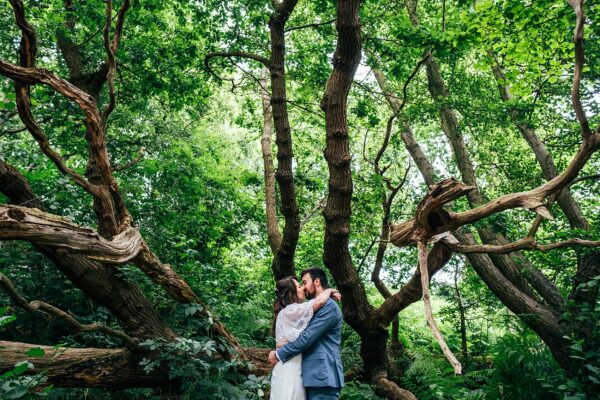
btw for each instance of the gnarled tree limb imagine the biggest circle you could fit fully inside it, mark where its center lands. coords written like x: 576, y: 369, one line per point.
x: 48, y: 309
x: 44, y: 229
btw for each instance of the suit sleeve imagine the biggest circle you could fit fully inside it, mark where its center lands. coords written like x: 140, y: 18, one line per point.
x: 319, y: 325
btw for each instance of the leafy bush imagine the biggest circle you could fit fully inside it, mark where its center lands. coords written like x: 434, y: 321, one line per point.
x: 357, y: 391
x: 201, y: 375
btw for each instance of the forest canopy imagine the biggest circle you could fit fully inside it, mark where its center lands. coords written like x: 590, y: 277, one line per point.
x: 164, y: 163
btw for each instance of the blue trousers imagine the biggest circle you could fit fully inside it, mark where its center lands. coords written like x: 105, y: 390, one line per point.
x: 322, y: 393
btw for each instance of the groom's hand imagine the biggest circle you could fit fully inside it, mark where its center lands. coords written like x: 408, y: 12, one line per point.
x: 273, y: 358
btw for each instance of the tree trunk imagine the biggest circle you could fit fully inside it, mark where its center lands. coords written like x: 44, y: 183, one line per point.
x: 88, y: 367
x: 273, y: 235
x: 283, y: 261
x: 358, y: 313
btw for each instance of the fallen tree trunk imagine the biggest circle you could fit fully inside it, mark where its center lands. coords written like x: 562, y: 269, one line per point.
x: 88, y: 367
x: 103, y: 368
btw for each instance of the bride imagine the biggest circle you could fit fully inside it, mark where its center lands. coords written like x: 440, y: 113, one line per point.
x: 291, y: 317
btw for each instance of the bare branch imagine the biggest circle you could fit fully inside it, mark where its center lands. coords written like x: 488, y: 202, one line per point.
x: 12, y: 131
x: 585, y: 178
x: 48, y: 309
x: 28, y: 46
x: 422, y: 246
x: 7, y: 116
x: 384, y: 145
x: 119, y: 25
x: 395, y: 104
x: 111, y: 48
x: 527, y: 243
x: 450, y: 189
x: 315, y: 25
x: 539, y: 218
x: 364, y: 258
x: 312, y: 212
x: 131, y: 163
x: 26, y: 76
x: 412, y: 291
x: 110, y: 55
x: 239, y: 54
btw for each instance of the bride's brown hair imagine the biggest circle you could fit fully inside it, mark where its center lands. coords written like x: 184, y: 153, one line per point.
x: 286, y: 295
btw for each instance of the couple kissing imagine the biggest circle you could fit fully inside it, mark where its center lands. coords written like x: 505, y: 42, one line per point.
x: 307, y: 361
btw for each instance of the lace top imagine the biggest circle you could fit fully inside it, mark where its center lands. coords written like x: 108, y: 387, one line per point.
x: 292, y: 321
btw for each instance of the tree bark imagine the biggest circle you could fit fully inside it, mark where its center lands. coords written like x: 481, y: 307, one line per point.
x: 273, y: 234
x: 86, y: 367
x: 358, y: 313
x: 283, y: 261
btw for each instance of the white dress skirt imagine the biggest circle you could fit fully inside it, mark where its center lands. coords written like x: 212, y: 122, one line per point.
x: 286, y: 378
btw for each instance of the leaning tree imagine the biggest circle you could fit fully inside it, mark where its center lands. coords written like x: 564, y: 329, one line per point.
x: 90, y: 258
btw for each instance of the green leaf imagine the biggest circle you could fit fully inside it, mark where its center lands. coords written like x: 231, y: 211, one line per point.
x: 576, y: 347
x: 35, y: 352
x: 21, y: 367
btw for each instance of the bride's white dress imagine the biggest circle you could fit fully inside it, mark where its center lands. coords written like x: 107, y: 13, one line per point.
x: 286, y: 379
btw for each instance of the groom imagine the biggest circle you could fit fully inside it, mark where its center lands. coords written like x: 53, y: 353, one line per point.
x: 322, y: 371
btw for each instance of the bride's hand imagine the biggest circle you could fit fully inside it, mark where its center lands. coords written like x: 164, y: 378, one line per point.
x: 337, y: 296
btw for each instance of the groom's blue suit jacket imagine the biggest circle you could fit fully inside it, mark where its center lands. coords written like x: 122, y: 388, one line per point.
x: 320, y: 348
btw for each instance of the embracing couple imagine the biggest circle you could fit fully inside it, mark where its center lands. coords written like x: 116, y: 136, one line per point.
x: 308, y: 334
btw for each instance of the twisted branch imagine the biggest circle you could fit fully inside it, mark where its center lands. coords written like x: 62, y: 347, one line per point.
x: 50, y: 310
x: 111, y: 48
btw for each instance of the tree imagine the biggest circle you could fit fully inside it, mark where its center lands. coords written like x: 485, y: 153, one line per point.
x: 90, y: 258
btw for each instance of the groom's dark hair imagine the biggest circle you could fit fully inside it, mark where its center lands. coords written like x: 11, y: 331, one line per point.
x: 316, y: 273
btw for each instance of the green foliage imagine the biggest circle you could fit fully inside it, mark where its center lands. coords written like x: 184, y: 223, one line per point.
x: 357, y: 391
x: 197, y: 192
x: 432, y: 378
x: 17, y: 383
x: 520, y: 366
x: 191, y: 362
